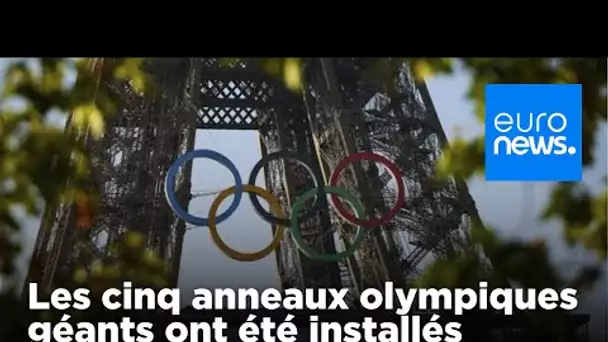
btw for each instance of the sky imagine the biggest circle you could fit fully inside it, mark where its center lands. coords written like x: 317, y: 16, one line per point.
x: 512, y: 208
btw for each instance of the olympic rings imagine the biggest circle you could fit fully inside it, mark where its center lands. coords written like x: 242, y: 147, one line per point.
x: 316, y: 175
x: 236, y: 255
x: 392, y: 168
x: 172, y: 197
x: 297, y: 234
x: 280, y: 220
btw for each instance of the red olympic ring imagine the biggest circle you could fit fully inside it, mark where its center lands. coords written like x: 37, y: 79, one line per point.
x: 392, y: 168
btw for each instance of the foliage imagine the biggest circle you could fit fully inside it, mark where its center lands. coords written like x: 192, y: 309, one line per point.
x: 582, y: 212
x: 42, y: 164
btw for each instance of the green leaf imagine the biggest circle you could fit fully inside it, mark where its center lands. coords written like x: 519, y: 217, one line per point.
x: 88, y: 116
x: 292, y: 73
x: 130, y: 70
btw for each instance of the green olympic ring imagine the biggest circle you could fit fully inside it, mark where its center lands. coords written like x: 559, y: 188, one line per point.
x: 296, y: 233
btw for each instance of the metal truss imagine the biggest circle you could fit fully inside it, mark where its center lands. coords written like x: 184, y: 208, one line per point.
x: 344, y: 108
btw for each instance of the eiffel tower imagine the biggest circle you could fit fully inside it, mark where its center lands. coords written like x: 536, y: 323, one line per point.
x: 342, y: 109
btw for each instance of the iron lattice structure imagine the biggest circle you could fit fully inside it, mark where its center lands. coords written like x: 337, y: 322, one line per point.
x: 345, y: 108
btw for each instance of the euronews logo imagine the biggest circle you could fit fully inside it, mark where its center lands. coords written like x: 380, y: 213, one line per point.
x: 533, y: 132
x: 528, y: 126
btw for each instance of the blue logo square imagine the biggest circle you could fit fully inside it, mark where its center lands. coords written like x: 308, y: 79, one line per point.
x: 533, y: 132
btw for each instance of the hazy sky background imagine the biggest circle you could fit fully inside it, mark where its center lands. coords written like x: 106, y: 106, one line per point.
x: 512, y: 208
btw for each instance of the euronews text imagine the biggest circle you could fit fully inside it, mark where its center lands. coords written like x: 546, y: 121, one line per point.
x: 410, y: 304
x: 530, y: 139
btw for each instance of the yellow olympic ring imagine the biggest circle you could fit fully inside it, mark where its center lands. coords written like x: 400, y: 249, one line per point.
x: 275, y: 206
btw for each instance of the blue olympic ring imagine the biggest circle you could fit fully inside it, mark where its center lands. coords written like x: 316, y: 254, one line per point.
x: 172, y: 196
